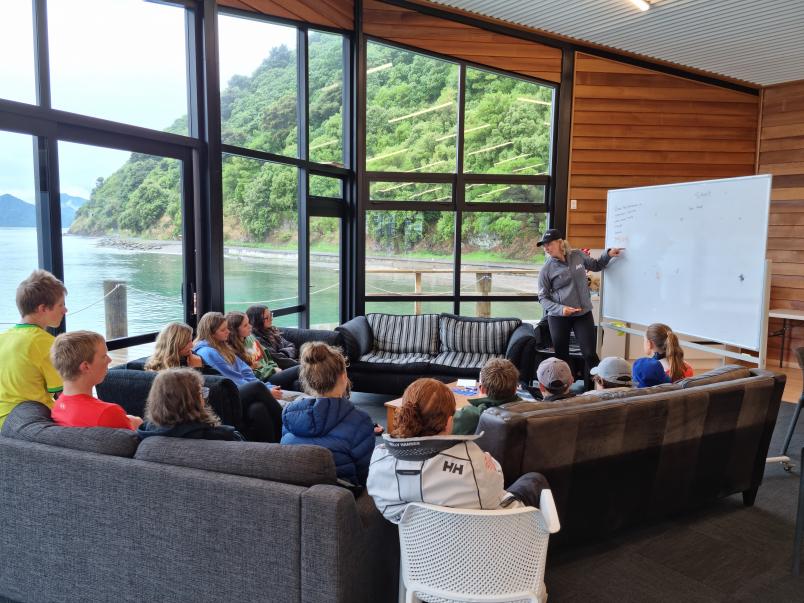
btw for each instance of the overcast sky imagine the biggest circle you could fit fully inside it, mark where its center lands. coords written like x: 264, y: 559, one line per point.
x: 122, y: 60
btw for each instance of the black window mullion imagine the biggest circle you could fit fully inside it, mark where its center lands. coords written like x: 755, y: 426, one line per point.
x: 42, y: 51
x: 562, y: 121
x: 302, y: 120
x: 459, y: 189
x: 209, y: 268
x: 48, y: 208
x: 357, y: 230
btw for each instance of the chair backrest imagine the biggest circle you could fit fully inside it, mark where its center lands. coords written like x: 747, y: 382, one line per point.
x: 451, y: 553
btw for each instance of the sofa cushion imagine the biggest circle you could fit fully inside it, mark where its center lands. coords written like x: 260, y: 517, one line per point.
x: 461, y: 360
x: 476, y: 335
x: 300, y: 465
x: 405, y: 334
x: 392, y: 358
x: 31, y: 422
x: 728, y: 372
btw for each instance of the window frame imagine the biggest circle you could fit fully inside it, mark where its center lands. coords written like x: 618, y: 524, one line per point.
x: 459, y: 179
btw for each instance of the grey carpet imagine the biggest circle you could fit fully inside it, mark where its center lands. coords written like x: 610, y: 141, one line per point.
x: 726, y: 552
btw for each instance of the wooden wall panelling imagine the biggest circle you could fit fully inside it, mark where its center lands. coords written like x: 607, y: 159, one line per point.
x: 330, y: 13
x: 781, y: 153
x: 461, y: 41
x: 635, y: 127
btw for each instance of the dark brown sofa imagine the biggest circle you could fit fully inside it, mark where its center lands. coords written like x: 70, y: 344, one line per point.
x: 634, y: 458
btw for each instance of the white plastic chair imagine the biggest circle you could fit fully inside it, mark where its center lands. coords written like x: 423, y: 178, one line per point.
x: 461, y: 555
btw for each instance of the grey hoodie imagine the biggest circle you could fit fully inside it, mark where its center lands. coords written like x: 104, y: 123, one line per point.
x: 564, y: 283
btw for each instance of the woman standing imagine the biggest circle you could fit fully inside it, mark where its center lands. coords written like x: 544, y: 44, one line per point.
x: 564, y: 295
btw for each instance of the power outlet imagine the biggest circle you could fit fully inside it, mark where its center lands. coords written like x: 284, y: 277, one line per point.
x: 573, y: 204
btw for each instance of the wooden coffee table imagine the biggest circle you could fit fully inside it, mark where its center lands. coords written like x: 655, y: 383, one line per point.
x: 460, y: 402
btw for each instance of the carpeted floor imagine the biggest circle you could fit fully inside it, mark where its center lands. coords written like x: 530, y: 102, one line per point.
x: 725, y: 553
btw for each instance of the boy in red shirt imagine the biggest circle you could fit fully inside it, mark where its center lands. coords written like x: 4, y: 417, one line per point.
x: 81, y: 358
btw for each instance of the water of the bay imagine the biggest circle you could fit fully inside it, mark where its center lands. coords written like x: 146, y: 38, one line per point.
x: 153, y: 280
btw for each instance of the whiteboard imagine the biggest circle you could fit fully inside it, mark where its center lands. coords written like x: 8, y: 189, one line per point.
x: 694, y: 257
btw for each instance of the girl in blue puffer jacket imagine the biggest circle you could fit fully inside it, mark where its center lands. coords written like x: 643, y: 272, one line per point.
x: 327, y: 418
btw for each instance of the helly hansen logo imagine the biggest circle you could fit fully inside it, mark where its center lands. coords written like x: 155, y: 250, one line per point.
x: 452, y: 467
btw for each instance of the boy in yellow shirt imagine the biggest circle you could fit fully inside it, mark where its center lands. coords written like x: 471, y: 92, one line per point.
x: 26, y: 372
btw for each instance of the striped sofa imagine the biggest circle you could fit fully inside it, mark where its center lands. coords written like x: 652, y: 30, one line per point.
x: 387, y: 352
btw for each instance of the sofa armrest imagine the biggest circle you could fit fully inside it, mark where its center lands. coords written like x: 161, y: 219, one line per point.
x: 357, y: 336
x: 298, y: 337
x: 348, y: 541
x: 504, y: 434
x: 521, y: 339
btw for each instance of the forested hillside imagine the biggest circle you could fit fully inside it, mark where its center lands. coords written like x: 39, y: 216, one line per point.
x: 142, y: 197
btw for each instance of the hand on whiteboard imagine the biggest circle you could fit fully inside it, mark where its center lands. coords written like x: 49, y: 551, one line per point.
x: 569, y: 310
x: 615, y: 251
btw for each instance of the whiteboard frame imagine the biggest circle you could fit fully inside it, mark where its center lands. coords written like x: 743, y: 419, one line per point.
x: 764, y: 302
x: 760, y: 360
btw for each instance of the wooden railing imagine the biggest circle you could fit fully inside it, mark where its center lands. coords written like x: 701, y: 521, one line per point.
x: 483, y: 282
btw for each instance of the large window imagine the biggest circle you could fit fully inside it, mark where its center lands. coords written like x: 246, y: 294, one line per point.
x: 282, y: 192
x: 18, y: 238
x: 17, y: 76
x: 121, y: 217
x: 261, y: 226
x: 124, y: 61
x: 434, y: 164
x: 102, y: 199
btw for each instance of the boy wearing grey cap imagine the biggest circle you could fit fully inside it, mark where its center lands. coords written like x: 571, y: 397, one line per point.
x: 612, y: 374
x: 555, y: 379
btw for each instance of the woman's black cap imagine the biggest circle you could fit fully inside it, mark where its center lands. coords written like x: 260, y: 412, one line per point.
x: 551, y: 234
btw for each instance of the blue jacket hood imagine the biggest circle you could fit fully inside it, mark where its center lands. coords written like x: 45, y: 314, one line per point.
x: 315, y: 417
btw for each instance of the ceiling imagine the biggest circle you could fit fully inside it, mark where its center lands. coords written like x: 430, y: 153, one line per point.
x: 757, y: 41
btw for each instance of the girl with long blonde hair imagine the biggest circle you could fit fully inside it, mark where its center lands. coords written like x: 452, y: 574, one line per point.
x: 174, y: 348
x: 261, y: 410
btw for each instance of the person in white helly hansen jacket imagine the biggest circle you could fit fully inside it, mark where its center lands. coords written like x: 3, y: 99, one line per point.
x: 424, y: 462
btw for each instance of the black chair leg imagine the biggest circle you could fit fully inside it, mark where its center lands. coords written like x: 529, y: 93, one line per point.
x: 792, y: 427
x: 799, y: 526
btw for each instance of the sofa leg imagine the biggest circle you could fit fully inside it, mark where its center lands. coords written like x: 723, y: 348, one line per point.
x: 749, y: 496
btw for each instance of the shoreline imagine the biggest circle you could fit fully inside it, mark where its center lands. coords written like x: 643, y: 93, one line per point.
x: 175, y: 248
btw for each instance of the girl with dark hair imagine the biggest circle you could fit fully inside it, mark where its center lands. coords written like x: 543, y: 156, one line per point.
x: 425, y: 462
x: 662, y: 344
x: 282, y: 351
x: 176, y: 408
x: 260, y: 409
x: 326, y: 417
x: 248, y: 348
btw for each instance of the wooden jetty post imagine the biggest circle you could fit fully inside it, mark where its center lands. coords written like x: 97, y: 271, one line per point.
x: 116, y: 305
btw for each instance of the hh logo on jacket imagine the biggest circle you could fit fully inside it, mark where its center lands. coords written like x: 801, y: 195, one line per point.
x: 450, y: 467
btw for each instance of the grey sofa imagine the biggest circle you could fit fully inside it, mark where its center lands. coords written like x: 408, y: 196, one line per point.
x: 624, y: 458
x: 94, y: 515
x: 388, y: 352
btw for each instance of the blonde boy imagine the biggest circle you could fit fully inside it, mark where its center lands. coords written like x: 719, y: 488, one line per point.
x: 499, y: 379
x: 82, y: 360
x: 26, y: 372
